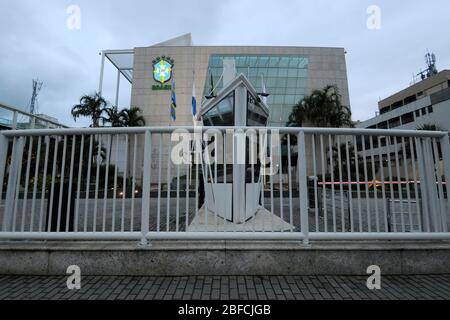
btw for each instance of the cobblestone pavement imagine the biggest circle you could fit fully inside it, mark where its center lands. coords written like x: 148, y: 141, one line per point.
x: 226, y: 288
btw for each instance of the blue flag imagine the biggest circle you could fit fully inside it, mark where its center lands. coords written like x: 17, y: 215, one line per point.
x: 194, y: 101
x: 173, y: 104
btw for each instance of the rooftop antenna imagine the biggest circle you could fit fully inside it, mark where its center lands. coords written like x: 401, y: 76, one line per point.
x: 37, y: 86
x: 431, y: 70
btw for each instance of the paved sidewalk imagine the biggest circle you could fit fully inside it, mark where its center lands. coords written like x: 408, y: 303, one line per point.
x: 225, y: 288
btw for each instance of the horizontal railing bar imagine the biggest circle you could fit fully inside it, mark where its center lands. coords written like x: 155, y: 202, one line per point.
x: 379, y: 236
x: 220, y: 236
x: 141, y: 130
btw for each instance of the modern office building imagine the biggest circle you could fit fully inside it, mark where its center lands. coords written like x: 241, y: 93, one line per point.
x: 288, y: 74
x: 424, y: 103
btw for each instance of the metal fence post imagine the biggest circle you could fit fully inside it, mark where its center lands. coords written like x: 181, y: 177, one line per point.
x: 16, y: 163
x: 146, y: 188
x: 303, y: 186
x: 445, y: 146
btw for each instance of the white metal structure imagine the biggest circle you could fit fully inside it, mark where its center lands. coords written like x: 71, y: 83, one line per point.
x: 59, y: 184
x: 13, y: 118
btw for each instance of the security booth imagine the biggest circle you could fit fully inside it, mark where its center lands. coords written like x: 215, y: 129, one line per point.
x: 233, y: 188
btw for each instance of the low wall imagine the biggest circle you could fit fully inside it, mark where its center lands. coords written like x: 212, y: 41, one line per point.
x: 179, y: 258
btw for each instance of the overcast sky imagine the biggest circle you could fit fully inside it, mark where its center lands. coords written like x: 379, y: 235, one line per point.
x: 36, y: 42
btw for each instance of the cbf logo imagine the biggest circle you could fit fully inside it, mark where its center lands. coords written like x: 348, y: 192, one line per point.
x: 162, y: 69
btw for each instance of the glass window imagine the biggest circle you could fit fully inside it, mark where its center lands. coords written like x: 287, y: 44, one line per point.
x: 222, y: 114
x: 292, y: 73
x: 282, y: 72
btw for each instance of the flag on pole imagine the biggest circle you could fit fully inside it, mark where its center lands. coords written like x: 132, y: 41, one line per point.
x: 194, y: 99
x: 173, y: 104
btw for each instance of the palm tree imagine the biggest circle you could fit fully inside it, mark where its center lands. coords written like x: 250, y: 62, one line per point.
x: 91, y: 106
x: 132, y: 117
x: 114, y: 117
x: 323, y: 108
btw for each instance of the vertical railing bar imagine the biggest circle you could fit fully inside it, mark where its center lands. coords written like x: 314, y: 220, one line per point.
x: 88, y: 183
x: 188, y: 194
x: 50, y: 204
x: 281, y: 185
x: 366, y: 183
x: 63, y: 169
x: 291, y: 212
x: 423, y: 183
x: 272, y: 173
x: 350, y: 185
x: 97, y: 180
x: 197, y: 159
x: 358, y: 184
x: 80, y: 169
x: 262, y: 171
x: 391, y: 183
x: 106, y: 188
x: 44, y: 183
x: 303, y: 187
x: 133, y: 196
x: 399, y: 179
x: 442, y: 215
x: 252, y: 152
x: 146, y: 187
x: 72, y: 163
x: 374, y: 177
x: 333, y: 197
x: 408, y: 189
x: 13, y: 186
x: 383, y: 185
x: 316, y: 195
x: 431, y: 182
x: 124, y: 187
x: 27, y: 180
x: 35, y: 183
x: 169, y: 185
x: 116, y: 168
x: 416, y: 178
x: 324, y: 180
x: 341, y: 185
x: 178, y: 199
x: 225, y: 146
x: 445, y: 149
x: 216, y: 180
x: 158, y: 216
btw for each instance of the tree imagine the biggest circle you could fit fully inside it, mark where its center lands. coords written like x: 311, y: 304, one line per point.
x: 114, y: 117
x: 92, y: 106
x: 323, y: 108
x: 132, y: 117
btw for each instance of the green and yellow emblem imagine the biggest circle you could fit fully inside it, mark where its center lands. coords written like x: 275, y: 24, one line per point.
x: 162, y: 69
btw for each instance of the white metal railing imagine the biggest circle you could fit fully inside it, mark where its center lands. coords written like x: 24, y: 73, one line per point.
x: 149, y: 183
x: 13, y: 118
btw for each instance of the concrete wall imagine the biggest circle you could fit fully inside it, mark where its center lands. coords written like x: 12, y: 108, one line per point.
x: 225, y: 258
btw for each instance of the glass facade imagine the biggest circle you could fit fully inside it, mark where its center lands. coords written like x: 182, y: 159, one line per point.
x: 285, y: 78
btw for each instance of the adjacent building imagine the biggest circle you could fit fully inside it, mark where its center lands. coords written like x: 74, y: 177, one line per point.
x: 424, y: 103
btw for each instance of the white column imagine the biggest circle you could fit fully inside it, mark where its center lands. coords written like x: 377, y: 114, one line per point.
x: 102, y: 69
x: 117, y: 88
